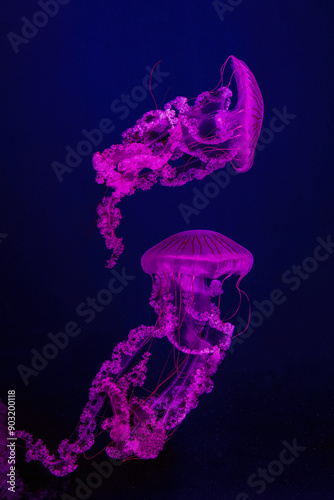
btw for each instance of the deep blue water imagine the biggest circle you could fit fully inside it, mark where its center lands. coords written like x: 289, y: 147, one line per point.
x: 276, y: 384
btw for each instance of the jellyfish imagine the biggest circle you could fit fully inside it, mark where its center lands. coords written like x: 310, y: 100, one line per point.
x: 188, y: 270
x: 182, y: 142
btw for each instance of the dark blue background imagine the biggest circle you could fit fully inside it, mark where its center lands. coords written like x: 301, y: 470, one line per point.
x: 276, y: 385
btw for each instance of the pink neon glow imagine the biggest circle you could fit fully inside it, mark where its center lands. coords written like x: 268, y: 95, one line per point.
x: 185, y: 268
x: 180, y: 143
x: 200, y: 253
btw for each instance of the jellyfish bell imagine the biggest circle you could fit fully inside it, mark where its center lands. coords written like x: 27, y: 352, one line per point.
x: 247, y: 116
x: 198, y: 252
x: 186, y: 267
x: 232, y: 134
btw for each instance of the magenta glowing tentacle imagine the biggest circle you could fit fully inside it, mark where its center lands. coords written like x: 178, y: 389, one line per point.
x: 179, y: 144
x: 172, y: 146
x: 186, y: 268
